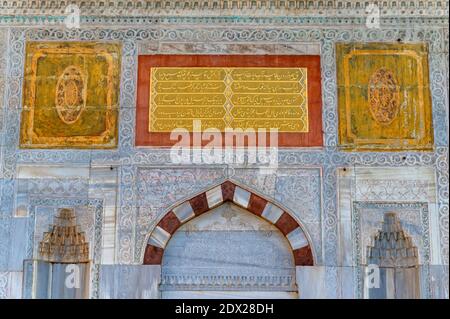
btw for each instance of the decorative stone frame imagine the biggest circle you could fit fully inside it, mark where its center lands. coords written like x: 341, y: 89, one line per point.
x: 228, y: 191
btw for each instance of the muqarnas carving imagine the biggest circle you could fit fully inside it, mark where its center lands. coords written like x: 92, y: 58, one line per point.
x: 70, y: 95
x: 65, y: 243
x: 384, y: 97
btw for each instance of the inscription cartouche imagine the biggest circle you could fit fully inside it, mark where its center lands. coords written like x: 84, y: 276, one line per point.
x: 247, y: 98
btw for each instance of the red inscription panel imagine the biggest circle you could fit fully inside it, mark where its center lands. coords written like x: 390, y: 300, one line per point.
x: 312, y: 137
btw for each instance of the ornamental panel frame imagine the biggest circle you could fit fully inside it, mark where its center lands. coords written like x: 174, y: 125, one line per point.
x: 400, y: 109
x: 82, y: 65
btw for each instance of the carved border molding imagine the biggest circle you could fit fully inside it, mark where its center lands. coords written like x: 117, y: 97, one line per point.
x: 385, y: 21
x: 227, y: 283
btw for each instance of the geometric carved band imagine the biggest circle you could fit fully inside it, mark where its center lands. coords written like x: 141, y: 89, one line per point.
x: 226, y: 282
x: 216, y: 196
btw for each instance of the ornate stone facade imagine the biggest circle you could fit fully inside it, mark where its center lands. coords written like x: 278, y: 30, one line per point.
x: 120, y: 195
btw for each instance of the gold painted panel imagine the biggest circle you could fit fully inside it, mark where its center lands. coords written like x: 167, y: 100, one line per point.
x: 384, y: 97
x: 247, y: 98
x: 71, y: 92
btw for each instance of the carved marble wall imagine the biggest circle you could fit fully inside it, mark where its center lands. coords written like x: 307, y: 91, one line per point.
x: 122, y: 192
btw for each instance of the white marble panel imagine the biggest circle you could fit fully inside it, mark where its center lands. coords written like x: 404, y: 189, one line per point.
x: 297, y: 238
x: 439, y: 283
x: 44, y: 171
x: 272, y: 212
x: 214, y: 196
x: 78, y: 288
x: 129, y: 281
x: 311, y: 282
x: 11, y: 285
x: 184, y: 212
x: 228, y: 247
x: 159, y: 237
x: 19, y: 242
x: 241, y: 197
x: 318, y: 282
x: 303, y: 48
x: 103, y: 183
x: 345, y: 190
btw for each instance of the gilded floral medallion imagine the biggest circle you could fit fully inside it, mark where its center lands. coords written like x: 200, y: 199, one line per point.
x: 70, y: 95
x: 384, y: 97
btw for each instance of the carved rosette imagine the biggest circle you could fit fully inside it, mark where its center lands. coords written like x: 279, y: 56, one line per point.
x: 64, y: 243
x: 70, y: 97
x: 384, y: 96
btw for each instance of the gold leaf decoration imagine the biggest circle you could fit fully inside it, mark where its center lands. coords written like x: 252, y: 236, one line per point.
x: 384, y: 96
x: 71, y: 94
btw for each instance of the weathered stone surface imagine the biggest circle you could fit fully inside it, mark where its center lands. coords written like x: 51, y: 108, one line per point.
x: 228, y: 249
x: 129, y: 281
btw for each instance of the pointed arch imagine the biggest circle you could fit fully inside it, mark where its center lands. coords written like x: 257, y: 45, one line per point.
x: 229, y: 191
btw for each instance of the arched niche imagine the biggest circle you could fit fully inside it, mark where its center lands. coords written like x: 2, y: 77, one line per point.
x: 228, y: 252
x: 176, y: 223
x: 229, y: 191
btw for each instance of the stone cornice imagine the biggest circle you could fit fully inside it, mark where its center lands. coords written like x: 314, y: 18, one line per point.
x: 121, y: 21
x: 225, y: 8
